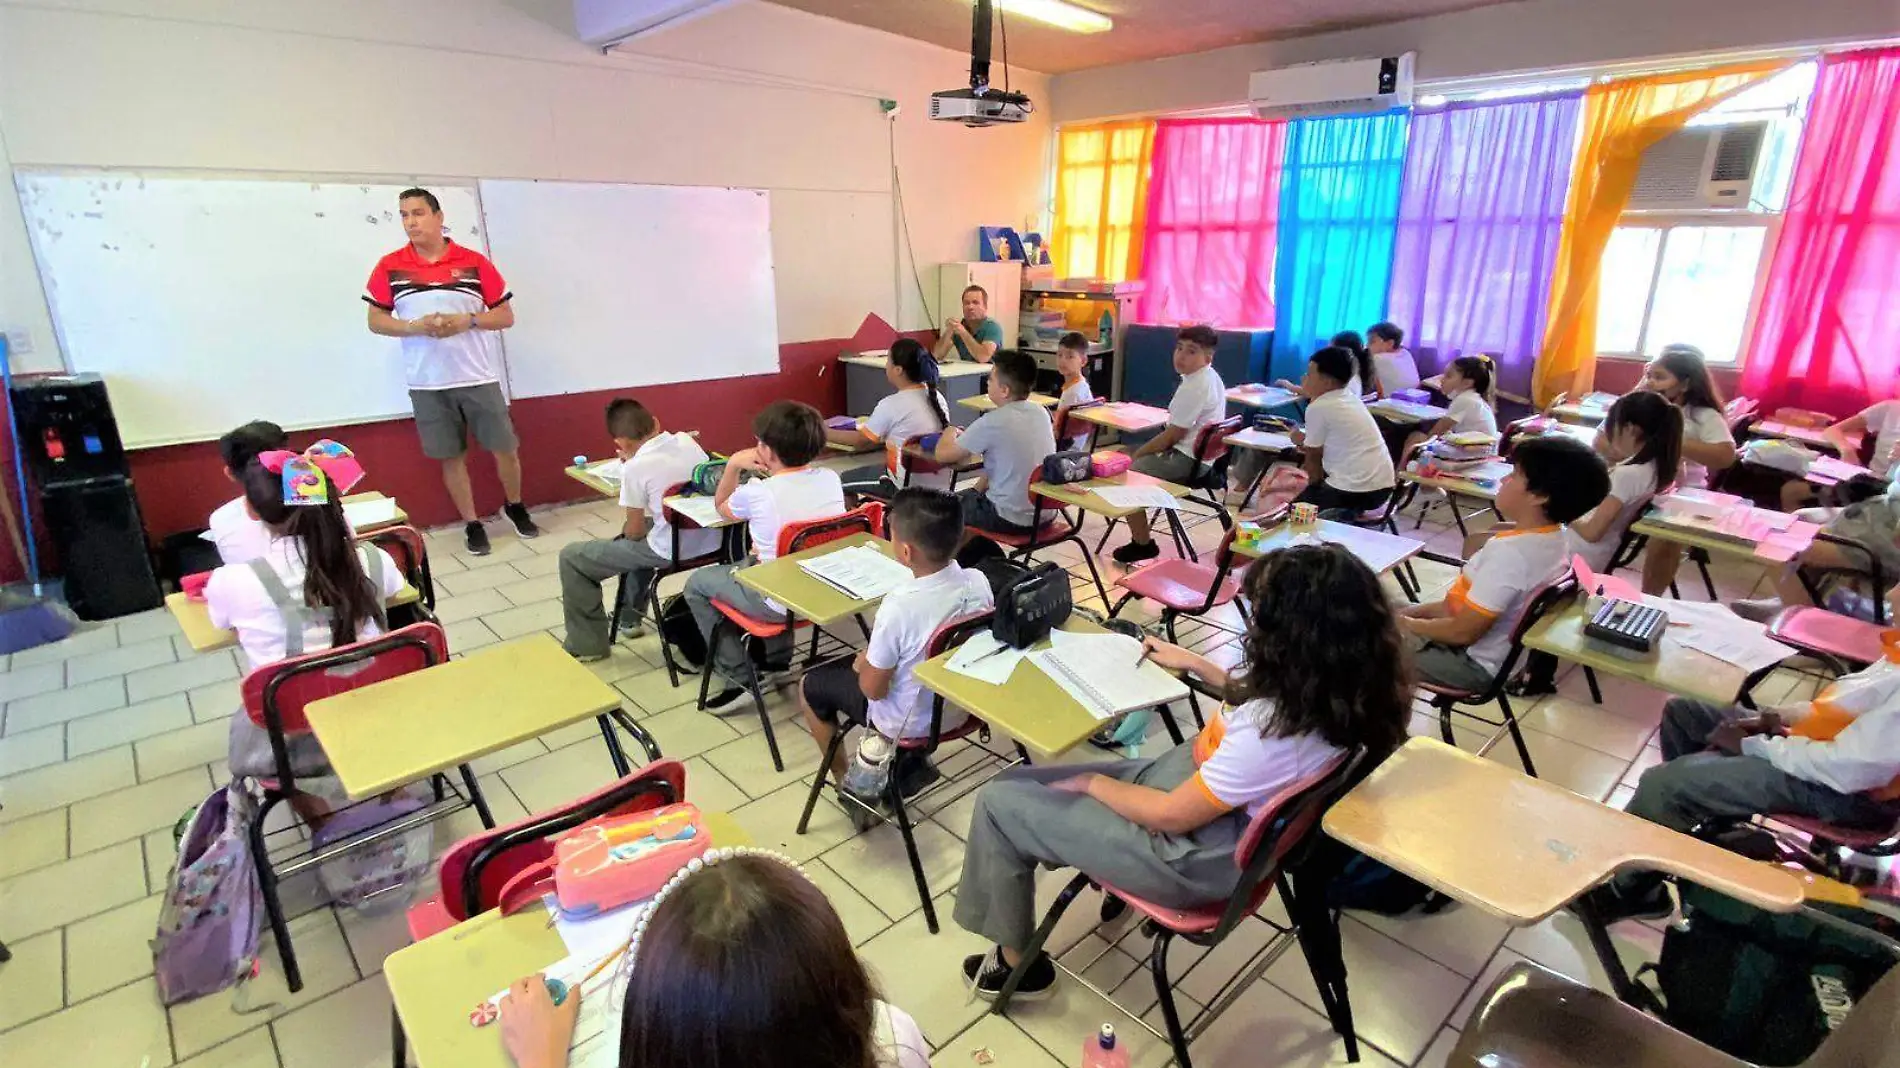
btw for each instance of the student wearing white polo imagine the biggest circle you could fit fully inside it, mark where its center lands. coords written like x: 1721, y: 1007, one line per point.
x: 1347, y: 464
x: 1200, y: 399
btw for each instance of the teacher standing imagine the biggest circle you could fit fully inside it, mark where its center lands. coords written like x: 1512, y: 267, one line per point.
x: 446, y: 303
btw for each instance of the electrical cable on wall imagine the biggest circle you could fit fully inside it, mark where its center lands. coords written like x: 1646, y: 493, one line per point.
x: 903, y: 219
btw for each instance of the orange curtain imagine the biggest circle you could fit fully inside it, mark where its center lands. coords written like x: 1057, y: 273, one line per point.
x: 1621, y: 120
x: 1102, y: 199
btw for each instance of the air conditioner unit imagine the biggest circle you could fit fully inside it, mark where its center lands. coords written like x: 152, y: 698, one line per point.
x: 1339, y: 87
x: 1700, y: 167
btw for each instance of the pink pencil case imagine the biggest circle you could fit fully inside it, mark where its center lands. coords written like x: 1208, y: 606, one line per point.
x: 613, y: 862
x: 194, y: 585
x: 1109, y: 463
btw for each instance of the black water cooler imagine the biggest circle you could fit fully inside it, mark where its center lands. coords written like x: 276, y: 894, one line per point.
x: 72, y: 449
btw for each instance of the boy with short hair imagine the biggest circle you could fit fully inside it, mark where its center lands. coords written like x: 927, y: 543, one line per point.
x: 877, y: 689
x: 1347, y: 464
x: 1012, y: 439
x: 240, y: 536
x: 1072, y: 361
x: 1836, y: 759
x: 1462, y: 640
x: 652, y: 461
x: 1200, y: 399
x: 790, y: 435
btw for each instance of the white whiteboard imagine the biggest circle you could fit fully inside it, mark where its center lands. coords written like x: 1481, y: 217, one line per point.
x: 209, y: 302
x: 633, y: 285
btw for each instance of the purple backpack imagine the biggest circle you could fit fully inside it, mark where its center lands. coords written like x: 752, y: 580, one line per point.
x: 209, y: 926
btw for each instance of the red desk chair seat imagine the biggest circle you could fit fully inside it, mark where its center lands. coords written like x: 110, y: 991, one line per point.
x: 275, y: 698
x: 1853, y: 643
x: 1183, y: 588
x: 1276, y: 841
x: 507, y: 866
x: 793, y: 537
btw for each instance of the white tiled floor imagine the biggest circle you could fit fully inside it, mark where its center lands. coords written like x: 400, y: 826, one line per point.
x: 107, y: 737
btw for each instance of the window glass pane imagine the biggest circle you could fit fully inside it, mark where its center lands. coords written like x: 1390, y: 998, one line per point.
x: 1702, y: 293
x: 1623, y: 287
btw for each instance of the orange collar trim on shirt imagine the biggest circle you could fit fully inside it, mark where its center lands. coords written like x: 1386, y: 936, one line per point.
x: 1529, y: 530
x: 1890, y: 641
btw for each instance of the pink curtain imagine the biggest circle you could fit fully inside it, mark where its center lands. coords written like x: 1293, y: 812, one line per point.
x: 1213, y: 206
x: 1828, y: 333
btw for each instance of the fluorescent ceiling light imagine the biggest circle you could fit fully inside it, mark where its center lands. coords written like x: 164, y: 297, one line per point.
x: 1060, y: 14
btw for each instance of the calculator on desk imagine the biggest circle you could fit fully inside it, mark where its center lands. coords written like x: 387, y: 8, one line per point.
x: 1628, y: 625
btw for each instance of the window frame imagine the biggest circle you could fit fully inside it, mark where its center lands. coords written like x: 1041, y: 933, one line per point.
x: 1670, y: 220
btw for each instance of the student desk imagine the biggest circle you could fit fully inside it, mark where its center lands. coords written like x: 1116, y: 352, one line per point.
x: 435, y: 982
x: 1811, y: 436
x: 858, y: 448
x: 1675, y: 669
x: 1781, y: 549
x: 407, y: 728
x: 1262, y: 397
x: 1375, y: 548
x: 400, y: 518
x: 1462, y: 484
x: 1082, y: 494
x: 1588, y: 412
x: 604, y: 486
x: 1267, y: 441
x: 982, y: 403
x: 1522, y: 848
x: 1400, y: 411
x: 804, y: 595
x: 865, y: 384
x: 1030, y: 707
x: 1123, y: 417
x: 195, y: 619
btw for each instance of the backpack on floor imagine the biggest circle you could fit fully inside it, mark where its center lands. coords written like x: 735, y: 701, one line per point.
x: 1786, y: 979
x: 211, y: 919
x: 371, y: 871
x: 1369, y: 886
x: 680, y: 632
x: 1282, y: 483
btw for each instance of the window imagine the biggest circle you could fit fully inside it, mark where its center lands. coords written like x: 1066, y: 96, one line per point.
x: 1691, y: 276
x: 1101, y: 198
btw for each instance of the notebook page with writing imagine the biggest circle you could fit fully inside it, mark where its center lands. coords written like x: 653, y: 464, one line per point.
x: 1101, y: 672
x: 860, y: 572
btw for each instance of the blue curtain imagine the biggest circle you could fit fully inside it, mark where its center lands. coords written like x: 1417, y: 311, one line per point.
x: 1339, y: 209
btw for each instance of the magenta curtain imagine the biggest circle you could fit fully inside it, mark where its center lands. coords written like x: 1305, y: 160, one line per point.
x: 1213, y: 205
x: 1827, y: 336
x: 1480, y: 215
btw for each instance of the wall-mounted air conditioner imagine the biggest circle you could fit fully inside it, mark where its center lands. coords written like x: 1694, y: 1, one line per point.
x: 1700, y: 167
x: 1338, y: 87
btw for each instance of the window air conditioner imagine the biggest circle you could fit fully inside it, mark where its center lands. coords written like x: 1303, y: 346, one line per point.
x: 1700, y: 167
x: 1340, y: 87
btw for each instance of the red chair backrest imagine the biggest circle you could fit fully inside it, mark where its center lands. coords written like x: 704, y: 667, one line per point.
x: 867, y: 518
x: 283, y: 690
x: 1211, y: 443
x: 1283, y: 825
x: 475, y: 869
x: 1540, y: 600
x: 404, y: 544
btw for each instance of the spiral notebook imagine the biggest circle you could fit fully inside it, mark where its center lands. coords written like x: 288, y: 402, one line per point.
x: 1105, y: 673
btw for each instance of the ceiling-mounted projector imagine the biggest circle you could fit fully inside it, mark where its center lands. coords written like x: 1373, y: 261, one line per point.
x: 981, y: 104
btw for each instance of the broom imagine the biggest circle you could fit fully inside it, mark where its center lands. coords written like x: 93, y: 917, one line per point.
x: 26, y: 620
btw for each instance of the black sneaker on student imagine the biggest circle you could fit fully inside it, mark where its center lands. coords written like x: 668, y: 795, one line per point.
x: 1136, y: 551
x: 722, y: 700
x: 475, y: 536
x: 1113, y: 908
x: 524, y: 523
x: 985, y: 974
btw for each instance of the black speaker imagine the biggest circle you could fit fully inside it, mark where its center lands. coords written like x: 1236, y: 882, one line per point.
x: 66, y: 428
x: 96, y: 528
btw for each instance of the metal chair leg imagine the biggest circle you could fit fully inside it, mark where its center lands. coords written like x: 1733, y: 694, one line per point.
x: 1164, y: 992
x: 397, y: 1040
x: 1590, y: 676
x: 273, y: 906
x: 666, y: 650
x: 476, y: 798
x: 896, y: 799
x: 756, y: 687
x: 1036, y: 941
x: 1095, y: 574
x: 1444, y: 723
x: 1517, y: 736
x: 818, y: 780
x: 614, y: 752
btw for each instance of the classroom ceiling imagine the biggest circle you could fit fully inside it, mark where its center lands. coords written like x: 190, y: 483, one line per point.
x: 1144, y: 29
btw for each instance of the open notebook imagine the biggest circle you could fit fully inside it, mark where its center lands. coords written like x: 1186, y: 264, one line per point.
x: 859, y: 572
x: 375, y: 512
x: 1105, y: 673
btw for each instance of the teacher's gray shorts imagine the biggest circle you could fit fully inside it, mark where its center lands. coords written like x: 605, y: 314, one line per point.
x: 444, y: 418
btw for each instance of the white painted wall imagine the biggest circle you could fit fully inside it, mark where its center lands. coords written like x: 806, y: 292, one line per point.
x: 1531, y: 35
x: 751, y: 95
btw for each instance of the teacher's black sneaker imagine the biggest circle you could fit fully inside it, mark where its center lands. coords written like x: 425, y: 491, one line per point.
x: 985, y: 974
x: 475, y: 536
x: 524, y: 523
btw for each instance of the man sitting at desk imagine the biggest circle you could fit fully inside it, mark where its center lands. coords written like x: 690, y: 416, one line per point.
x: 1837, y: 759
x: 976, y: 336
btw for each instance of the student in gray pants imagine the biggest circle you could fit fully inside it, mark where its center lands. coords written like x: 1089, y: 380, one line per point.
x: 1322, y: 673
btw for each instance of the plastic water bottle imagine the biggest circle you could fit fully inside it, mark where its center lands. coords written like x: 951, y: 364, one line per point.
x: 580, y: 461
x: 1101, y: 1050
x: 1107, y: 330
x: 870, y: 769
